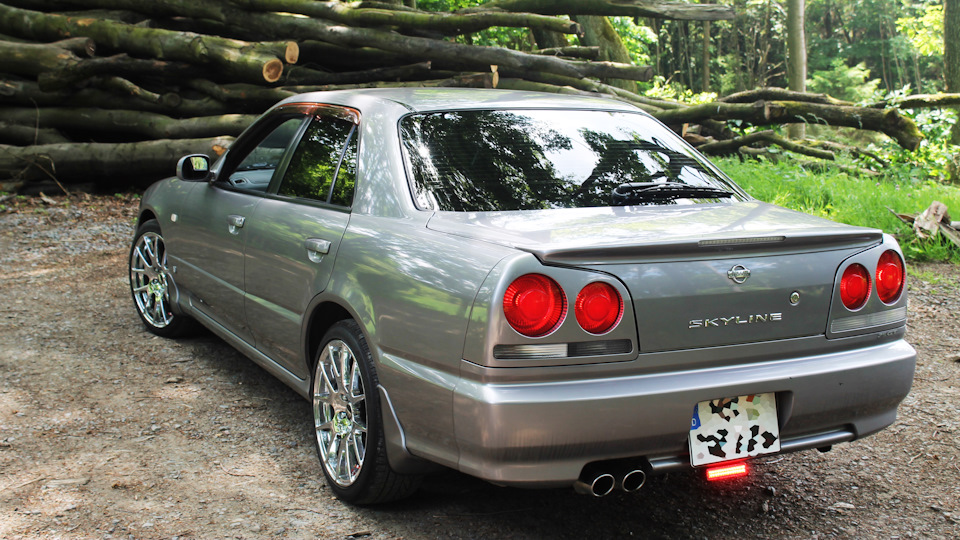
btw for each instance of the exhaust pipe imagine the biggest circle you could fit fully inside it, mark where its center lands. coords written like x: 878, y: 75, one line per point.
x: 632, y: 480
x: 595, y: 482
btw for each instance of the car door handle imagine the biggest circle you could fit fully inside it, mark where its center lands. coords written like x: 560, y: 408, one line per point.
x: 235, y: 223
x: 316, y: 248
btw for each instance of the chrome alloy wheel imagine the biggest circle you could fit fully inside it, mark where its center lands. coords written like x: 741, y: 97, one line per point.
x: 150, y: 281
x: 340, y: 413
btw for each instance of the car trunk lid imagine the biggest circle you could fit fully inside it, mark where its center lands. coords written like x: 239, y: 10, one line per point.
x: 698, y: 276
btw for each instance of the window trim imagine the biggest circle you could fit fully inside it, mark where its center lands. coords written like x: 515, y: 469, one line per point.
x: 316, y: 112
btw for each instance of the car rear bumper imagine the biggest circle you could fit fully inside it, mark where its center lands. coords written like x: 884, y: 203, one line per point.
x: 542, y: 434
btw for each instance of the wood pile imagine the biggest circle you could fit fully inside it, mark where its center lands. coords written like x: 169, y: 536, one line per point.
x: 113, y: 92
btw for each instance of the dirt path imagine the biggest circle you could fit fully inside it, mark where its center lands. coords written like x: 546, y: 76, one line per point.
x: 107, y: 431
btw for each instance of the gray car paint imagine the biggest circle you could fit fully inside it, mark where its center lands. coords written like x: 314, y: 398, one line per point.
x: 425, y: 289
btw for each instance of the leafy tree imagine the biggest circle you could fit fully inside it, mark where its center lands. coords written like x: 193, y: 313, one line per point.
x: 797, y: 56
x: 951, y: 52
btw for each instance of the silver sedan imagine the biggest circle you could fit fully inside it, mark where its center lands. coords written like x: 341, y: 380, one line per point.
x: 536, y: 290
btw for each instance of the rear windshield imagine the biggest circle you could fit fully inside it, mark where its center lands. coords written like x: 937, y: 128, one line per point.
x: 472, y: 161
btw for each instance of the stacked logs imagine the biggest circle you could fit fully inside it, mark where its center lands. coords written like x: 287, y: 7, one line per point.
x: 112, y: 92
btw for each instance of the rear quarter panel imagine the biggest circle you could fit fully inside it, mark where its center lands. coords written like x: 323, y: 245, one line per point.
x: 411, y: 290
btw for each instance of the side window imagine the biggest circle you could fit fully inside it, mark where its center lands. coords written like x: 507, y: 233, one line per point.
x: 347, y: 176
x: 313, y: 166
x: 257, y: 167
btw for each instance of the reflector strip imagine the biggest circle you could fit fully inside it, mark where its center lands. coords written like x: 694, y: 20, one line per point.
x: 858, y: 322
x: 727, y: 471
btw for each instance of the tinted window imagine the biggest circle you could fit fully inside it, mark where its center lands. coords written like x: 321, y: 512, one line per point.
x: 347, y: 175
x: 256, y: 168
x: 522, y: 160
x: 313, y: 165
x: 268, y: 153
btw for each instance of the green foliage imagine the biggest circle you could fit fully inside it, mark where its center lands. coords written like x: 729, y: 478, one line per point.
x: 925, y: 33
x: 511, y: 38
x: 862, y: 201
x: 936, y: 159
x: 636, y: 38
x: 844, y: 82
x: 662, y: 89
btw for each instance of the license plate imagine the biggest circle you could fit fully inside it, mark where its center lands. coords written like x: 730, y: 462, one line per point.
x: 734, y: 428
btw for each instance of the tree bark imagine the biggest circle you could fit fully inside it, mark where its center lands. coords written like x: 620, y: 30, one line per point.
x: 733, y: 145
x: 951, y: 54
x: 796, y: 58
x: 467, y: 56
x: 599, y: 32
x: 583, y: 53
x: 104, y: 163
x: 26, y: 135
x: 450, y: 24
x: 306, y: 76
x: 629, y: 8
x: 889, y: 121
x: 251, y: 62
x: 779, y: 94
x: 35, y: 58
x: 120, y: 64
x: 28, y: 94
x: 138, y: 123
x: 921, y: 101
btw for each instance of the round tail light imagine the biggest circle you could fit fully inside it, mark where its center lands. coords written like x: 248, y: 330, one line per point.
x: 534, y: 305
x: 889, y: 277
x: 598, y: 308
x: 854, y: 286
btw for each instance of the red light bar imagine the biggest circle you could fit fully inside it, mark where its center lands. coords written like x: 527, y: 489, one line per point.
x: 727, y: 471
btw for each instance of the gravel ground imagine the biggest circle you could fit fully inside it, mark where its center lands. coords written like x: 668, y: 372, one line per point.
x: 109, y: 432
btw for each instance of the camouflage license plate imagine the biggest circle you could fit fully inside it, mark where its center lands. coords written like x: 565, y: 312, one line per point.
x: 734, y: 428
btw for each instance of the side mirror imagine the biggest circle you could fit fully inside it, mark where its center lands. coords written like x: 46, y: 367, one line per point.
x: 194, y: 168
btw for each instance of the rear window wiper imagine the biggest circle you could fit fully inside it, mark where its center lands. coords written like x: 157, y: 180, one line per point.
x: 636, y: 192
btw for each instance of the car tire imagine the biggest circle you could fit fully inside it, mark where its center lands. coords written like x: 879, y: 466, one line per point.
x: 348, y: 424
x: 151, y: 284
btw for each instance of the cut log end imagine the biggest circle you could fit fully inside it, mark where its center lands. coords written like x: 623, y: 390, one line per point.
x: 292, y: 53
x: 272, y: 70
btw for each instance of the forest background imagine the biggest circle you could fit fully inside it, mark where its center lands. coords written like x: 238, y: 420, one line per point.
x: 865, y: 53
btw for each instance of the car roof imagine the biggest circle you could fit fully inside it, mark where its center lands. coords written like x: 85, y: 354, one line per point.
x: 433, y: 99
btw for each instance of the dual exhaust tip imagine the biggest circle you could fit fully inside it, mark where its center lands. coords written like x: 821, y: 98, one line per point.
x: 599, y: 479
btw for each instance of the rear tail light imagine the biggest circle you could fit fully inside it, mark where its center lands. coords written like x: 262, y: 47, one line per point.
x: 534, y: 305
x: 889, y: 277
x: 727, y: 471
x: 598, y: 308
x: 854, y: 286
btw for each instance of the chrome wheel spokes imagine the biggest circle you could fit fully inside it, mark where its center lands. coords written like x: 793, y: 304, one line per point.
x: 150, y: 281
x: 339, y: 412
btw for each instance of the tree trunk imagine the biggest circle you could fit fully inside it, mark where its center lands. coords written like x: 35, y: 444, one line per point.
x: 733, y: 145
x: 455, y: 54
x: 628, y: 8
x: 139, y: 123
x: 888, y: 121
x: 26, y: 135
x: 28, y: 94
x: 120, y: 64
x: 705, y: 58
x: 104, y: 163
x: 951, y: 54
x: 35, y: 58
x: 796, y: 58
x: 251, y: 62
x: 549, y: 40
x: 584, y: 53
x: 599, y: 32
x: 450, y: 24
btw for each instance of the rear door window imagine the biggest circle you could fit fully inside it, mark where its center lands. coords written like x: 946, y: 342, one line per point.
x: 323, y: 167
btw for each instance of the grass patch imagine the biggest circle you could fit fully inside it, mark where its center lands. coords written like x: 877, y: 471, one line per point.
x: 849, y: 199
